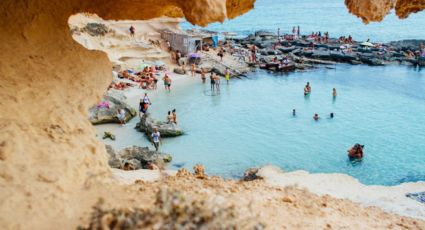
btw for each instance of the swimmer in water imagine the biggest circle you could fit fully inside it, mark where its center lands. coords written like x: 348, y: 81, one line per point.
x: 331, y: 115
x: 294, y: 113
x: 334, y: 92
x: 316, y: 117
x: 307, y: 89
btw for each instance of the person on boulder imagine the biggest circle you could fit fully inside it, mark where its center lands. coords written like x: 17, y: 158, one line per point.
x: 156, y: 138
x: 174, y: 116
x: 170, y: 118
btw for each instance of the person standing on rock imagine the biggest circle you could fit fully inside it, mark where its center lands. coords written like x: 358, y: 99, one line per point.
x: 174, y: 114
x: 170, y: 118
x: 156, y: 138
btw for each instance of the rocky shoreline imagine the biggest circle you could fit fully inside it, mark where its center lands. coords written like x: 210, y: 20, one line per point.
x: 305, y: 52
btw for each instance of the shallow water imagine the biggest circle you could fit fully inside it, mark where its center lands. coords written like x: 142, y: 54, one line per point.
x: 250, y: 123
x: 324, y: 15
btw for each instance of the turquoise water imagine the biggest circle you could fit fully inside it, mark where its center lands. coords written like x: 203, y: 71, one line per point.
x: 324, y: 15
x: 250, y: 123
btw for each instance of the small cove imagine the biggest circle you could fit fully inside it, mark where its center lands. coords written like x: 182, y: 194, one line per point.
x: 250, y: 123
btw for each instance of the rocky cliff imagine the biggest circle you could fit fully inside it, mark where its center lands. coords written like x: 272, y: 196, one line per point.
x: 50, y: 160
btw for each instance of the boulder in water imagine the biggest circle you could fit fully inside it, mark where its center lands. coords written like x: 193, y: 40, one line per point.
x: 147, y: 124
x: 113, y: 101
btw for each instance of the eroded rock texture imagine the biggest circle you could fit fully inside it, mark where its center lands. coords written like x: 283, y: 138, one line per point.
x: 376, y: 10
x: 49, y: 155
x: 50, y: 160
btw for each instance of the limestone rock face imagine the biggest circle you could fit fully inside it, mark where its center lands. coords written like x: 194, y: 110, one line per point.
x: 108, y: 114
x: 49, y: 155
x: 48, y: 148
x: 376, y: 10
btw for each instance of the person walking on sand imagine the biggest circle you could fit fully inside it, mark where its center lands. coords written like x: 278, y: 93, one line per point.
x: 121, y: 116
x: 212, y: 79
x: 156, y: 138
x: 132, y: 31
x: 334, y: 92
x: 174, y: 114
x: 227, y: 75
x: 203, y: 77
x: 193, y: 69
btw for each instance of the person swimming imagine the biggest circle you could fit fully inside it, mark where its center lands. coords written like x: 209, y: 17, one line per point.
x: 307, y: 89
x: 294, y: 113
x: 331, y: 115
x: 334, y: 92
x: 316, y: 117
x: 356, y: 152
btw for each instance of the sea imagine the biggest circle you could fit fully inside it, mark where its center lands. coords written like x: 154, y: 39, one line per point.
x: 250, y: 122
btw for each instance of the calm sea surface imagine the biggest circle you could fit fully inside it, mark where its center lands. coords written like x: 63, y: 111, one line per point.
x: 250, y: 123
x: 323, y: 15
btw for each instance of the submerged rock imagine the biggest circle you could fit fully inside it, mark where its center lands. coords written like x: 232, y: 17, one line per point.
x: 106, y: 112
x: 147, y: 124
x: 136, y: 157
x: 420, y: 196
x: 109, y: 135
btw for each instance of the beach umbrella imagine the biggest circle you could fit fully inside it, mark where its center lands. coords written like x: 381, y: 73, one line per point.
x: 366, y: 44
